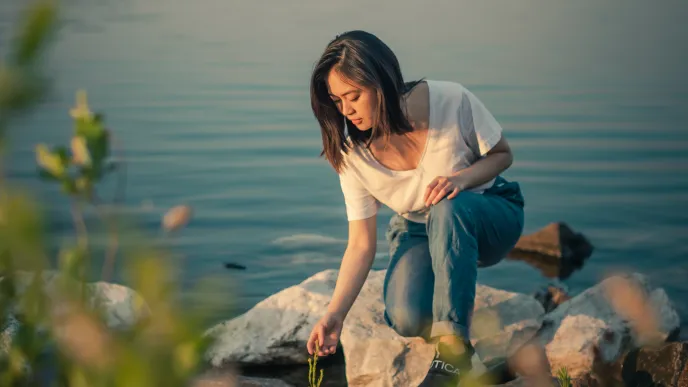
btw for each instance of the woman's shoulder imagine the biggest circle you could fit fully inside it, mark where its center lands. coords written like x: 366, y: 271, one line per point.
x: 444, y: 99
x: 445, y: 88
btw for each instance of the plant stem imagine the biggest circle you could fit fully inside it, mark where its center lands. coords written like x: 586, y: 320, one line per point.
x: 82, y: 242
x: 79, y: 225
x: 109, y: 219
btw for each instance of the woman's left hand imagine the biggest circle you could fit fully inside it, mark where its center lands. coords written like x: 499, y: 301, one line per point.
x: 440, y: 187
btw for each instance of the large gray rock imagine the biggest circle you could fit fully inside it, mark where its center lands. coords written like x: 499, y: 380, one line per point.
x: 276, y: 331
x: 618, y: 314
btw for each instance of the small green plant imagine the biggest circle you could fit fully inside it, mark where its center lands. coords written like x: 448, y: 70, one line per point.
x: 312, y: 369
x: 563, y: 377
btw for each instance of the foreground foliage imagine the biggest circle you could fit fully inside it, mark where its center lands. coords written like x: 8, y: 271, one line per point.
x: 55, y: 331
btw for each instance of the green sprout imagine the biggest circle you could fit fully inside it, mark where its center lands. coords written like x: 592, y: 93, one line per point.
x: 312, y: 369
x: 563, y: 377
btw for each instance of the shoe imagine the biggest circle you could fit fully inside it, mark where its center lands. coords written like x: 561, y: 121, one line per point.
x: 447, y: 369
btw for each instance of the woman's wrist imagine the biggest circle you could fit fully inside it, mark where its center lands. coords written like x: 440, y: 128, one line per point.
x: 336, y: 312
x: 460, y: 181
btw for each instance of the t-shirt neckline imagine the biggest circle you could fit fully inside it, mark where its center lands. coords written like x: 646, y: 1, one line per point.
x: 428, y: 138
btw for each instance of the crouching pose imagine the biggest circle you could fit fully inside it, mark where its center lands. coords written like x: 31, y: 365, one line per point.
x: 433, y: 153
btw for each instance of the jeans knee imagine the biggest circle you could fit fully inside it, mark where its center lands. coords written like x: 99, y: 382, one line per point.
x: 408, y: 323
x: 451, y: 211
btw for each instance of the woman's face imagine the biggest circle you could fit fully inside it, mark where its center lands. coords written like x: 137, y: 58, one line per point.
x: 355, y: 102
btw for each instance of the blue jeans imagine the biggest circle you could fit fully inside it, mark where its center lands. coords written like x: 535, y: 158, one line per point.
x: 429, y: 288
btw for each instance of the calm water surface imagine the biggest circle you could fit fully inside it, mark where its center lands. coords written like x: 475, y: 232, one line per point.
x: 211, y: 103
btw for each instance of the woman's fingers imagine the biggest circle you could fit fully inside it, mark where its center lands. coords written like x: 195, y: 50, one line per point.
x: 429, y: 188
x: 453, y: 194
x: 321, y: 338
x: 311, y: 343
x: 317, y: 336
x: 438, y: 192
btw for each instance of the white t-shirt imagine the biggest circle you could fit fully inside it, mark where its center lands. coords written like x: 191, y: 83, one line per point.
x: 460, y: 131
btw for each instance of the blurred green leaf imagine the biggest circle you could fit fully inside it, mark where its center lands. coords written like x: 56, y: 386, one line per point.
x: 71, y: 263
x: 22, y: 231
x: 83, y: 185
x: 69, y: 187
x: 35, y: 31
x: 81, y: 112
x: 80, y: 154
x: 9, y: 83
x: 166, y: 346
x: 45, y: 175
x: 53, y: 162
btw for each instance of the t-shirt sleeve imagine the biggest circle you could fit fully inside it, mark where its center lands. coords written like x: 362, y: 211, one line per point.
x: 360, y: 204
x: 479, y: 128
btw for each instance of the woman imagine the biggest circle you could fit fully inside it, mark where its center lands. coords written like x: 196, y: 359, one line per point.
x: 433, y: 153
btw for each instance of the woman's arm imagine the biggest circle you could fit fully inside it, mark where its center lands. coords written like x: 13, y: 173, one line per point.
x: 356, y: 263
x: 496, y: 161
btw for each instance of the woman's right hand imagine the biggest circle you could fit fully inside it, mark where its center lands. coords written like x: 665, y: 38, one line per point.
x: 326, y: 332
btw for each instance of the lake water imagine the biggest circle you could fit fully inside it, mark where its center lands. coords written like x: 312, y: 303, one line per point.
x: 210, y: 100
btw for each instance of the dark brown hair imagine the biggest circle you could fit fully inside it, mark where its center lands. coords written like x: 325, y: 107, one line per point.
x: 363, y: 58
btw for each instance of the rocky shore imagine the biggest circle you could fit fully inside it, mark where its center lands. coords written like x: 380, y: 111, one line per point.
x: 622, y: 331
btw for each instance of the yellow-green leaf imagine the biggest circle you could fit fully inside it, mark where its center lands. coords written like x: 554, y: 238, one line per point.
x: 80, y: 154
x: 37, y: 26
x: 81, y: 110
x: 49, y: 161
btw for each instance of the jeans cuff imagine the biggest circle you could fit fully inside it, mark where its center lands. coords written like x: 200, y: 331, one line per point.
x: 448, y: 328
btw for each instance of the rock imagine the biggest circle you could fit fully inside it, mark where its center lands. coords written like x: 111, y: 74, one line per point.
x: 552, y: 295
x: 523, y: 382
x: 246, y: 381
x: 9, y: 329
x: 122, y: 306
x: 230, y: 379
x: 664, y: 365
x: 556, y: 240
x: 591, y: 322
x: 555, y: 249
x: 276, y: 331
